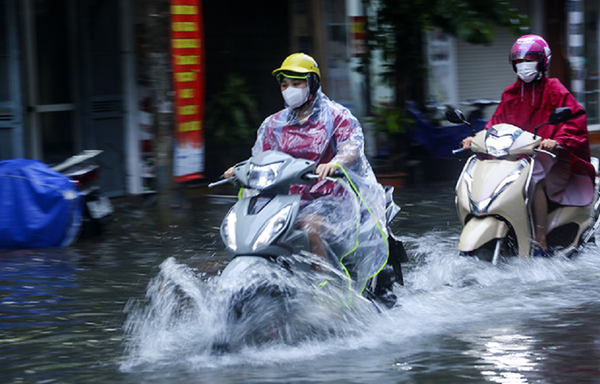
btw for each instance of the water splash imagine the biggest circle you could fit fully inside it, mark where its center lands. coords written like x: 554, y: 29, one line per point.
x: 444, y: 293
x: 186, y: 318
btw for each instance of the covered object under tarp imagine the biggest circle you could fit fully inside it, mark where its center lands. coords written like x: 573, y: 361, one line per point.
x: 39, y: 207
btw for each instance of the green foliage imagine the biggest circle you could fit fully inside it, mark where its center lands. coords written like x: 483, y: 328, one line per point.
x: 232, y: 115
x: 391, y: 120
x: 398, y: 32
x: 470, y: 20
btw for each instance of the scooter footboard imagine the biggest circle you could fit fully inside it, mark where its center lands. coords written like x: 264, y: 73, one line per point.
x: 480, y: 230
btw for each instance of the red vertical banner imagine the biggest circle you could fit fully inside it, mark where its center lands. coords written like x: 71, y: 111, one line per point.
x: 358, y: 35
x: 187, y: 56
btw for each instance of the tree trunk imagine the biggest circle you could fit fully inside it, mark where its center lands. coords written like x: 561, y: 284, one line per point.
x: 158, y: 17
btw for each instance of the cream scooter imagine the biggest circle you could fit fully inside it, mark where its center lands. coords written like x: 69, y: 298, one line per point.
x: 493, y: 197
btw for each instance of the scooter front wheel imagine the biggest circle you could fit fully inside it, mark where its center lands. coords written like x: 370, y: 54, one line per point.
x: 491, y: 251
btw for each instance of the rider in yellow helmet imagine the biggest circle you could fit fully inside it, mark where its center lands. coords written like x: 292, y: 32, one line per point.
x: 299, y: 66
x: 314, y: 127
x: 299, y: 63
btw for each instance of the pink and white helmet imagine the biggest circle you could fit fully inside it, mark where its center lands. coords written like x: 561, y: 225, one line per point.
x: 531, y: 47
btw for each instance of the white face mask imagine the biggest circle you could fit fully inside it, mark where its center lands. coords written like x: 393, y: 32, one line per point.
x: 295, y: 97
x: 527, y: 71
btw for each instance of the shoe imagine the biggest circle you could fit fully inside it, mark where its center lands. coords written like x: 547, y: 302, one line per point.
x: 539, y: 252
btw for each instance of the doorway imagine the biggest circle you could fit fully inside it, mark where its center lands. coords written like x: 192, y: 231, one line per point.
x: 50, y: 34
x: 72, y: 65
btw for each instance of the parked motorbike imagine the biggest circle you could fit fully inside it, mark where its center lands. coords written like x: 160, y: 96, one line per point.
x: 492, y: 196
x: 84, y: 173
x: 475, y: 117
x: 267, y: 248
x: 438, y: 139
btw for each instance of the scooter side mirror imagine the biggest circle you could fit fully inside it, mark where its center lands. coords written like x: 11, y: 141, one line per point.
x: 560, y: 115
x: 455, y: 116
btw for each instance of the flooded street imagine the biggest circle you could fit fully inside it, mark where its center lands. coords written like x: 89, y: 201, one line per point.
x: 110, y: 309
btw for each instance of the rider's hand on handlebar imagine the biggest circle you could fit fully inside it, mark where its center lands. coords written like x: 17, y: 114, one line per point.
x: 228, y: 173
x: 326, y: 170
x: 466, y: 143
x: 548, y: 145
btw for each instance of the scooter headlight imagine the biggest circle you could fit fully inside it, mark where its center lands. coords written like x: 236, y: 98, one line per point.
x: 498, y: 144
x: 229, y: 230
x: 263, y: 176
x: 274, y: 227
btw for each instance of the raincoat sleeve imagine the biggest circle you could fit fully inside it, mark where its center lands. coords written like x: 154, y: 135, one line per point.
x: 572, y: 134
x: 349, y: 138
x: 366, y: 251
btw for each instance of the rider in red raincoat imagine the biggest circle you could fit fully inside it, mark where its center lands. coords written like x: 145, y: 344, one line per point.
x: 527, y: 103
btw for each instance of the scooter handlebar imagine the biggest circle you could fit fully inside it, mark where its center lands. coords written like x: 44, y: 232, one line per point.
x: 459, y: 150
x: 545, y: 152
x: 336, y: 175
x: 308, y: 176
x: 220, y: 182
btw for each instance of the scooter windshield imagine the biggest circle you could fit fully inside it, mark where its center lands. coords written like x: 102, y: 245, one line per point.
x: 499, y: 141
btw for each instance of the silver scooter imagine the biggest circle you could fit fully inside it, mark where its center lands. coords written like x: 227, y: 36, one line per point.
x: 265, y: 245
x: 259, y: 229
x: 493, y: 197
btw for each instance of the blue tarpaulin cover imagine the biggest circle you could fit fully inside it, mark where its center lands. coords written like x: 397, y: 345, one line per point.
x: 39, y: 207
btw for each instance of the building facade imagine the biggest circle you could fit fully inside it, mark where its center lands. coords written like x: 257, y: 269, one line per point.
x: 72, y: 72
x: 467, y: 71
x: 65, y: 70
x: 74, y: 75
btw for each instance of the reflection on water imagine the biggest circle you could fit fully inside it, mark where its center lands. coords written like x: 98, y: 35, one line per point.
x: 52, y: 320
x: 32, y: 288
x: 558, y: 347
x: 69, y: 316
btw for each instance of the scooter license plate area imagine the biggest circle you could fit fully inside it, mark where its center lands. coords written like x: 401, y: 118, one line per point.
x: 100, y: 208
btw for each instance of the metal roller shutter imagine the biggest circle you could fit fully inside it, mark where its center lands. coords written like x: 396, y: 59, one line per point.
x: 483, y: 72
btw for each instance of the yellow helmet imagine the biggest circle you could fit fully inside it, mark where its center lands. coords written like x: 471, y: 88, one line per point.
x: 299, y: 63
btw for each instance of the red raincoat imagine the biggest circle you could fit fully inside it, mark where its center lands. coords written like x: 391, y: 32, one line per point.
x: 528, y: 105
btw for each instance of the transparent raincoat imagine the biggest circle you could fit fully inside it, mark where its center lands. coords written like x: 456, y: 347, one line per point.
x: 353, y: 211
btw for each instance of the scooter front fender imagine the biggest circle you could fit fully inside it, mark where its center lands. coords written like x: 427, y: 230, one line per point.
x: 242, y: 267
x: 480, y: 230
x: 242, y: 264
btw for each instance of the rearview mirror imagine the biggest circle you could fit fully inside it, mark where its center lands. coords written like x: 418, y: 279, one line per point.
x: 560, y: 115
x: 455, y: 116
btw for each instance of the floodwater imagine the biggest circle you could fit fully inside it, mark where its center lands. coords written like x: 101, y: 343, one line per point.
x: 138, y: 305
